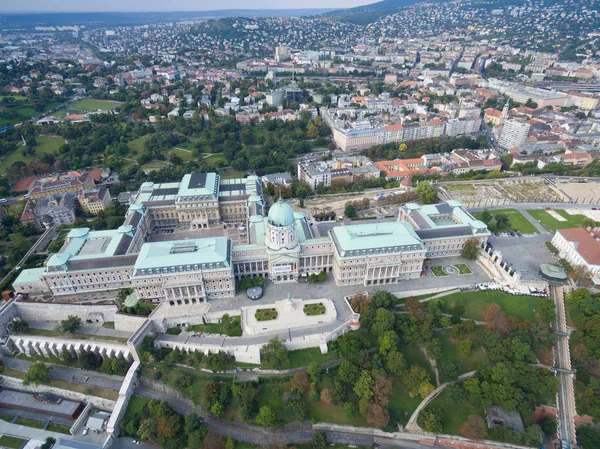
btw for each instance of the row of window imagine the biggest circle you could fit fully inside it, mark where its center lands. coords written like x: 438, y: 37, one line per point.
x: 180, y: 268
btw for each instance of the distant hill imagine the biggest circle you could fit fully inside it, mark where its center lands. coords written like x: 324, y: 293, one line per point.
x: 111, y: 19
x: 363, y: 15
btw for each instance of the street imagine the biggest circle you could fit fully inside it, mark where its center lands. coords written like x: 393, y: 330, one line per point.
x: 566, y: 394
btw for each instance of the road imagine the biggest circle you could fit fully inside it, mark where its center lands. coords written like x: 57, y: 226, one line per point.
x: 290, y: 434
x: 69, y: 374
x: 566, y: 394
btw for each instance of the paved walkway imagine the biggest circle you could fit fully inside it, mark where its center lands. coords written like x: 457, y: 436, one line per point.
x: 29, y: 433
x: 86, y: 329
x: 412, y: 422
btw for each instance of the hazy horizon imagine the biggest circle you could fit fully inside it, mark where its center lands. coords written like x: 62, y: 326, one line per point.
x: 141, y: 6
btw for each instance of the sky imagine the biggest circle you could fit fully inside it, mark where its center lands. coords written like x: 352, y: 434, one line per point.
x: 168, y: 5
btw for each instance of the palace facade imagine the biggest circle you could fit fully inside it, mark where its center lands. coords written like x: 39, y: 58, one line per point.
x: 94, y: 265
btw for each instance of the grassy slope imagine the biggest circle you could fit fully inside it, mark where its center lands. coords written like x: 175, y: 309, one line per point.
x: 552, y: 224
x: 522, y: 307
x: 518, y: 221
x: 45, y: 144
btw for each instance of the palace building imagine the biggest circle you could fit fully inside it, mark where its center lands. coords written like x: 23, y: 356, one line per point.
x: 94, y: 265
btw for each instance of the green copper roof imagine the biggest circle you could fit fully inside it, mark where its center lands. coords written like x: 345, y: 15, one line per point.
x: 375, y: 238
x: 184, y: 255
x: 281, y: 214
x: 30, y: 276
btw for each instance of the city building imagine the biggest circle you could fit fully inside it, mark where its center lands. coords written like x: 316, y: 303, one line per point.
x: 580, y: 247
x: 94, y: 201
x: 61, y: 184
x: 348, y: 170
x: 277, y: 179
x: 514, y: 134
x: 95, y: 265
x: 443, y: 228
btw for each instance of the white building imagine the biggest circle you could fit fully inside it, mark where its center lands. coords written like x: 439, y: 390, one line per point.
x: 514, y: 134
x: 580, y: 247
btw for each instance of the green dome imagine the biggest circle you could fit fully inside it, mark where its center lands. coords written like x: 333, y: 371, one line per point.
x: 281, y: 214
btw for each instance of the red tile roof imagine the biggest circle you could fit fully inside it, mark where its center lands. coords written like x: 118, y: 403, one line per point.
x: 585, y: 243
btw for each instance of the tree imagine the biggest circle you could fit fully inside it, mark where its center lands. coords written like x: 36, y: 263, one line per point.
x: 416, y: 381
x: 326, y: 396
x: 548, y: 426
x: 90, y: 361
x: 364, y: 385
x: 300, y: 381
x: 427, y: 193
x: 48, y: 443
x: 387, y: 342
x: 474, y: 428
x: 71, y: 325
x: 495, y: 318
x: 20, y: 326
x: 465, y: 346
x: 314, y: 371
x: 347, y: 372
x: 429, y: 420
x: 588, y: 222
x: 230, y: 444
x: 471, y: 249
x: 384, y: 321
x: 38, y: 373
x: 383, y: 390
x: 319, y: 440
x: 378, y: 416
x: 579, y: 273
x: 266, y: 416
x: 274, y: 355
x: 395, y: 363
x: 349, y: 210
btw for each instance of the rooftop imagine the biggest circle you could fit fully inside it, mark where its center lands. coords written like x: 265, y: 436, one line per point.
x: 584, y: 242
x: 184, y: 255
x: 368, y: 238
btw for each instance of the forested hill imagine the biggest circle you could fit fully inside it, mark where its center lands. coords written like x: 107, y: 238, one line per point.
x: 362, y: 15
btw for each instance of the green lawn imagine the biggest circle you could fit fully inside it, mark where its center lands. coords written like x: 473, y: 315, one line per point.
x: 214, y: 158
x: 135, y: 406
x: 185, y: 156
x: 523, y: 307
x: 266, y: 314
x: 453, y: 413
x: 89, y: 104
x: 136, y: 147
x: 552, y: 224
x: 45, y: 144
x: 414, y: 356
x: 12, y: 442
x: 450, y: 352
x: 29, y: 422
x: 24, y: 113
x: 303, y: 357
x: 438, y: 271
x: 401, y: 404
x: 314, y: 309
x: 518, y: 222
x: 462, y: 268
x: 272, y: 395
x: 217, y: 328
x: 59, y: 428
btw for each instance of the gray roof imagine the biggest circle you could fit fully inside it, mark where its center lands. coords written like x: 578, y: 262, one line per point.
x: 20, y: 399
x: 452, y: 231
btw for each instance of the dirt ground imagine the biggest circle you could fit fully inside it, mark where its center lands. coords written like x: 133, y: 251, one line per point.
x: 500, y: 191
x: 585, y: 191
